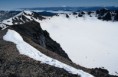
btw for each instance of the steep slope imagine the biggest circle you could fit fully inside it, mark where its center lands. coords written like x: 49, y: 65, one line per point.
x: 35, y: 33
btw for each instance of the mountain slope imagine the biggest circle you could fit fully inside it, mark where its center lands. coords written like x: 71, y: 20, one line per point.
x: 16, y: 63
x: 26, y: 49
x: 12, y: 64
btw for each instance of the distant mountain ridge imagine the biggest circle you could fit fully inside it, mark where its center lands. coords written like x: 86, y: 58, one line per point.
x: 102, y: 14
x: 71, y: 8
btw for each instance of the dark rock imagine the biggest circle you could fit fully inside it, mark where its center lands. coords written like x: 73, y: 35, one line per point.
x: 89, y: 13
x: 0, y: 28
x: 74, y: 13
x: 116, y: 16
x: 81, y: 14
x: 101, y: 72
x: 67, y: 16
x: 107, y: 15
x: 102, y: 11
x: 37, y: 16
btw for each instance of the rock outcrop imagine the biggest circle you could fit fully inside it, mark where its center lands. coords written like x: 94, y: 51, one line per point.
x: 33, y: 31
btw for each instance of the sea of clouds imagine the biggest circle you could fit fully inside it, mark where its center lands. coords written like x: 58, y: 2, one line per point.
x: 88, y: 41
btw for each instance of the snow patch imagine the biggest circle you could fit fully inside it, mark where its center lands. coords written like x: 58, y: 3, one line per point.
x: 2, y: 26
x: 8, y: 21
x: 26, y: 49
x: 28, y: 12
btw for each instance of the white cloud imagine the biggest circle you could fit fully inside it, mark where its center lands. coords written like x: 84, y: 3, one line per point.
x: 88, y: 41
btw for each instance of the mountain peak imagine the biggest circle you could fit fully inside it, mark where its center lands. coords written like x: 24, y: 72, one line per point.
x: 21, y: 18
x: 27, y: 12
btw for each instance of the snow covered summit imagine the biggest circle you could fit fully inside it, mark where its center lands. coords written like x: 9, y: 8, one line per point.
x: 21, y: 18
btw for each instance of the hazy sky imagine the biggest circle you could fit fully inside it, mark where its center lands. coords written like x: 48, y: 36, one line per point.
x: 12, y: 4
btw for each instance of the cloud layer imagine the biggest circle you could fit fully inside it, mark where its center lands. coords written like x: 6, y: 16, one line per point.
x: 88, y: 41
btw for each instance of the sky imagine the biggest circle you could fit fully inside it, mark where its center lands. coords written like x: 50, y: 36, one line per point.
x: 13, y: 4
